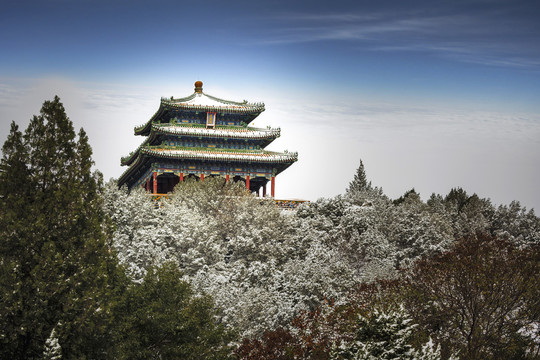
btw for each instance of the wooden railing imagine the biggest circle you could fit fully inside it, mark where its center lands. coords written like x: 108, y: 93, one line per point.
x: 291, y: 204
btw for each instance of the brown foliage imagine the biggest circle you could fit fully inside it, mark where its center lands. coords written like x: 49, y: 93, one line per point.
x: 472, y: 300
x: 276, y: 344
x: 313, y: 333
x: 476, y: 297
x: 311, y: 336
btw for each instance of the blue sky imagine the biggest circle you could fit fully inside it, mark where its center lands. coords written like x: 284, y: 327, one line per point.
x: 429, y: 94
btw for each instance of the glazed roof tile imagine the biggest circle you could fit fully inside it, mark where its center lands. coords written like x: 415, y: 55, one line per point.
x: 240, y: 133
x: 205, y: 102
x: 199, y: 101
x: 259, y: 156
x: 262, y: 156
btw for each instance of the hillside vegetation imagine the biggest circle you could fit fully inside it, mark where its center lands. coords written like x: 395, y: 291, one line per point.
x: 89, y: 271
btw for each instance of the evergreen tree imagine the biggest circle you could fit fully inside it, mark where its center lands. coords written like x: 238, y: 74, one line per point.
x: 410, y: 195
x: 457, y: 198
x: 56, y: 266
x: 383, y: 335
x: 53, y: 350
x: 360, y: 182
x: 361, y: 192
x: 515, y: 223
x: 163, y: 319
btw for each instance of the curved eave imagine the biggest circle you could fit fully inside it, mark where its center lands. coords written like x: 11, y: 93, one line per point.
x: 263, y: 156
x: 129, y: 172
x: 282, y: 160
x: 249, y: 133
x: 128, y: 160
x: 145, y: 128
x: 229, y: 107
x: 224, y: 106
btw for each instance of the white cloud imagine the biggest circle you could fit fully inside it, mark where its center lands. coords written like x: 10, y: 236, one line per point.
x: 488, y: 38
x: 426, y: 147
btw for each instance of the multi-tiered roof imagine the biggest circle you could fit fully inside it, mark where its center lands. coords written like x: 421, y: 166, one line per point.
x: 202, y: 135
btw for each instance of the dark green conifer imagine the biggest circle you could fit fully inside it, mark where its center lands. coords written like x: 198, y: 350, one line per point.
x: 360, y: 182
x: 162, y: 318
x: 57, y: 270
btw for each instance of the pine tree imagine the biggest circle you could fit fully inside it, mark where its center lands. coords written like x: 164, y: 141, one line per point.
x: 15, y: 252
x: 162, y: 318
x: 56, y: 265
x: 360, y: 182
x: 383, y: 335
x: 53, y: 350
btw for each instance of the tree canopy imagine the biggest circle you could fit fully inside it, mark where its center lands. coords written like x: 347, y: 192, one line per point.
x: 63, y: 294
x: 57, y: 270
x: 161, y: 318
x: 88, y: 271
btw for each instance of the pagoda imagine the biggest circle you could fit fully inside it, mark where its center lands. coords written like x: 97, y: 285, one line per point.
x: 200, y: 136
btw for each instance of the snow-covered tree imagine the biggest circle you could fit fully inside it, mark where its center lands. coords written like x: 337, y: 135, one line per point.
x: 515, y: 223
x: 263, y: 268
x: 414, y: 230
x: 238, y: 248
x: 360, y: 181
x: 384, y: 335
x: 353, y: 231
x: 53, y: 350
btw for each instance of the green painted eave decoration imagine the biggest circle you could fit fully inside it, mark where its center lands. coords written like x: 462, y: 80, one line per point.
x: 178, y: 152
x: 218, y: 132
x: 229, y: 106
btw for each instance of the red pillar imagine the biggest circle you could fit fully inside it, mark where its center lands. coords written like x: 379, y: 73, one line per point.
x: 273, y: 186
x: 181, y: 176
x: 227, y: 178
x: 264, y: 190
x: 148, y: 184
x: 247, y: 182
x: 202, y: 177
x: 155, y: 183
